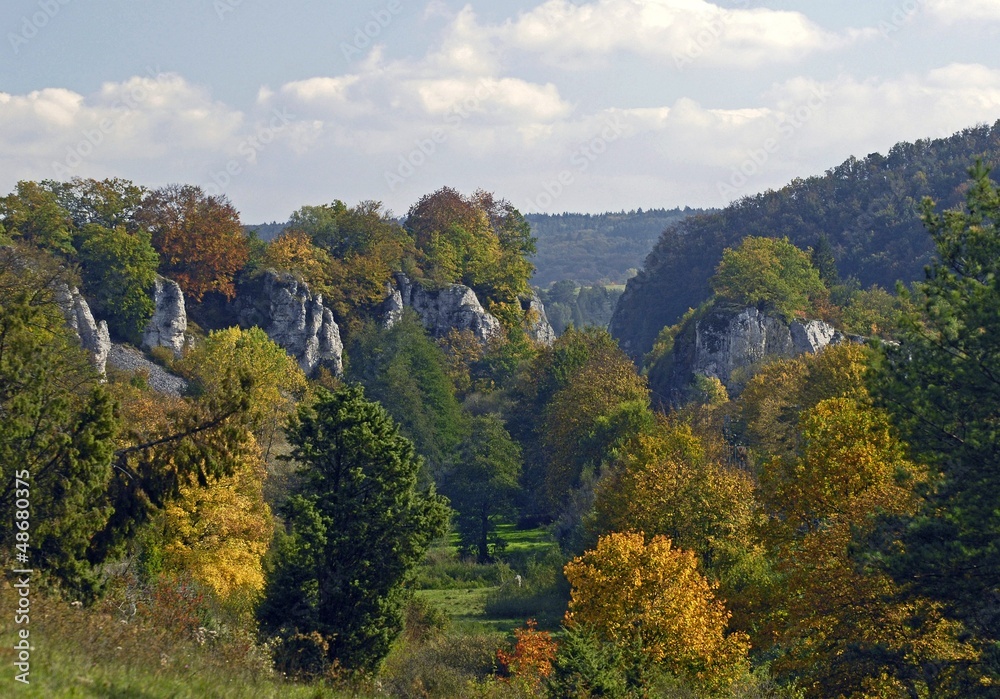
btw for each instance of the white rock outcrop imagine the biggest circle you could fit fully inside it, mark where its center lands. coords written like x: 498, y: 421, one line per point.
x: 169, y: 322
x: 295, y: 319
x: 94, y: 336
x: 454, y: 307
x: 537, y: 324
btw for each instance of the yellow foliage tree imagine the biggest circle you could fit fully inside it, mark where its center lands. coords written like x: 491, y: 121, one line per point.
x: 605, y: 381
x: 219, y: 534
x: 652, y: 597
x: 665, y: 484
x: 838, y: 622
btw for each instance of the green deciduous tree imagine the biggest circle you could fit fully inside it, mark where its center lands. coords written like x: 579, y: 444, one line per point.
x: 356, y: 530
x: 768, y: 271
x: 481, y: 483
x: 32, y: 214
x: 119, y: 270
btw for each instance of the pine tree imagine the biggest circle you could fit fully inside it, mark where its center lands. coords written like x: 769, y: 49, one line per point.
x: 942, y: 383
x: 357, y: 527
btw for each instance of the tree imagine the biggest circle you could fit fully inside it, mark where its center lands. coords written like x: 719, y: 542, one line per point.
x: 109, y: 203
x: 663, y: 483
x: 32, y: 214
x: 57, y: 426
x: 357, y: 527
x: 357, y: 250
x: 199, y: 239
x: 406, y: 371
x: 942, y: 385
x: 768, y: 271
x: 481, y: 483
x: 843, y: 629
x: 652, y: 597
x: 479, y: 241
x: 120, y: 269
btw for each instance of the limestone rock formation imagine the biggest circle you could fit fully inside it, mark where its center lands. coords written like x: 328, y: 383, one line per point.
x: 538, y: 326
x: 455, y: 307
x: 94, y: 336
x: 169, y: 322
x: 728, y: 343
x: 294, y: 318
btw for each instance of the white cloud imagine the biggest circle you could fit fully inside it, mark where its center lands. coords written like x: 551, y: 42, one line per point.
x: 681, y: 31
x: 965, y: 10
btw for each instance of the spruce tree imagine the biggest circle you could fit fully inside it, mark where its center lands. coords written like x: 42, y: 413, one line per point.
x: 357, y: 528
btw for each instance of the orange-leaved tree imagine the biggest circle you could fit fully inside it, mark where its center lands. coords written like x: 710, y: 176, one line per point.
x: 199, y: 238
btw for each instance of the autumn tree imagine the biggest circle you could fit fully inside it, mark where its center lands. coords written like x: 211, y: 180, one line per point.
x: 652, y: 598
x: 356, y: 251
x: 479, y: 241
x: 768, y: 271
x: 357, y: 528
x: 481, y: 482
x: 664, y: 483
x: 199, y: 238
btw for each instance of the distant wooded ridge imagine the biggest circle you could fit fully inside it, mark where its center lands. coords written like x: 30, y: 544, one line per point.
x: 590, y: 249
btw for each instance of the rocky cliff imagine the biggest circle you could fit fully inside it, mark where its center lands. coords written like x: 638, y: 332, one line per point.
x: 169, y: 322
x: 538, y: 326
x: 93, y: 336
x: 727, y: 343
x: 294, y: 318
x: 454, y: 307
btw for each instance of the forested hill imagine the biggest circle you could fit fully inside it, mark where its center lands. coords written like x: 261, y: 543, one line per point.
x: 869, y: 210
x: 596, y: 248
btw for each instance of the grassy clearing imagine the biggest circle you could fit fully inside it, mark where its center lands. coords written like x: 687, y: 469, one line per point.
x: 489, y: 597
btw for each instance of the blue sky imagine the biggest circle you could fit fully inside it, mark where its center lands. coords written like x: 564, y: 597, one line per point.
x: 558, y: 106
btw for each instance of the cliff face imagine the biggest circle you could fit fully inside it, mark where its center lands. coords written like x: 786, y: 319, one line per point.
x: 538, y: 326
x: 169, y: 322
x: 728, y: 343
x: 294, y: 318
x: 455, y: 307
x: 93, y: 336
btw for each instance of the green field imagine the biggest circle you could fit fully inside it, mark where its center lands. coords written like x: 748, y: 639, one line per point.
x: 488, y: 597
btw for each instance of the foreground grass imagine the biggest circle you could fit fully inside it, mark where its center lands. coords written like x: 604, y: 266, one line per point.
x: 152, y: 654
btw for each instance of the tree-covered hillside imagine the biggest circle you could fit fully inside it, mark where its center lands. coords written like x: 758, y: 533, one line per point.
x: 596, y: 248
x: 868, y: 209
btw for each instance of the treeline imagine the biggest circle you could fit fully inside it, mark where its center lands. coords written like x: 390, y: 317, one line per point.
x: 568, y: 303
x: 830, y: 531
x: 868, y: 210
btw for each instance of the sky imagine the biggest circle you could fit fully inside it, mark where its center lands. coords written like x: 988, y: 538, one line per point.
x: 583, y: 106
